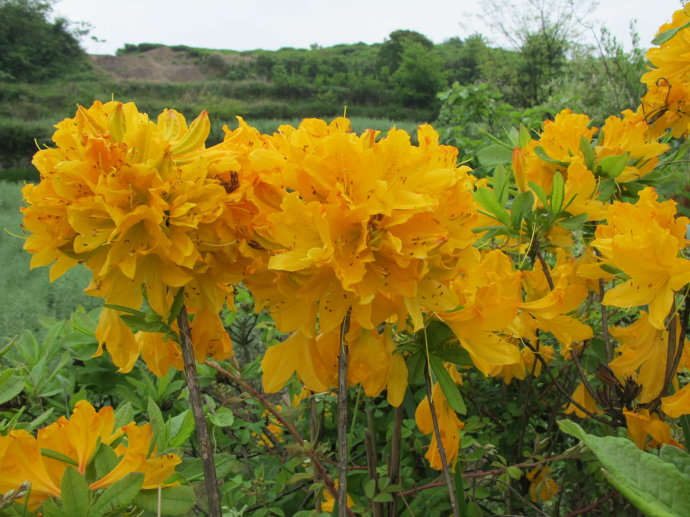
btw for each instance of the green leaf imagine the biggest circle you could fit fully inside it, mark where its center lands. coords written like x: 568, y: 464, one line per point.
x: 443, y: 343
x: 500, y: 184
x: 175, y: 500
x: 525, y: 137
x: 677, y: 457
x: 144, y: 323
x: 574, y: 222
x: 663, y: 37
x: 539, y: 151
x: 494, y: 155
x: 557, y: 194
x: 223, y: 417
x: 118, y: 495
x: 11, y: 385
x: 539, y: 192
x: 383, y: 497
x: 654, y: 486
x: 176, y: 306
x: 124, y: 414
x: 514, y: 472
x: 180, y: 428
x: 370, y: 488
x: 450, y: 389
x: 487, y: 199
x: 74, y: 493
x: 51, y: 509
x: 104, y: 460
x: 606, y: 189
x: 122, y: 308
x: 588, y: 153
x: 612, y: 166
x: 48, y: 453
x: 522, y: 206
x: 158, y: 424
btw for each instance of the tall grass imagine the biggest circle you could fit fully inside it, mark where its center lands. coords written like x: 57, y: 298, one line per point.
x: 27, y: 295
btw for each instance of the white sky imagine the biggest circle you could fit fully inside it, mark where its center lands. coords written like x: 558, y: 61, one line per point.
x: 271, y: 24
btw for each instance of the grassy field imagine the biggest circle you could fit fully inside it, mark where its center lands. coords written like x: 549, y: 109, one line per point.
x: 28, y: 295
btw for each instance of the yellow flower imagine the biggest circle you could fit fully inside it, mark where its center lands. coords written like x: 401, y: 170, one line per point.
x: 542, y: 487
x: 329, y: 501
x: 642, y: 425
x: 78, y: 438
x: 449, y: 426
x: 582, y: 397
x: 644, y: 241
x: 144, y: 206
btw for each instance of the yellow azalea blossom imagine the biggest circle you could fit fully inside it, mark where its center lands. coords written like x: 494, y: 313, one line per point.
x: 365, y: 225
x: 581, y: 191
x: 642, y: 355
x: 582, y: 397
x: 542, y: 487
x: 449, y: 426
x: 678, y: 404
x: 560, y: 141
x: 142, y: 204
x: 642, y: 426
x: 644, y: 241
x: 629, y: 135
x: 488, y: 291
x: 78, y: 439
x: 328, y: 502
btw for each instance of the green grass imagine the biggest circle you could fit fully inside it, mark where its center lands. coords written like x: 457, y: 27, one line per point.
x: 28, y: 295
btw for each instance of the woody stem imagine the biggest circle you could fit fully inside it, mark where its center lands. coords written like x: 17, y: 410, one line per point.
x: 205, y: 448
x: 342, y: 418
x: 441, y: 450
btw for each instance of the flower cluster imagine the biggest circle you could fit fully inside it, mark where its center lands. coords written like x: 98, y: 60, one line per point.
x: 75, y: 441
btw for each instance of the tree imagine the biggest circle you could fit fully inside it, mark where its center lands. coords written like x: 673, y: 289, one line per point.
x: 391, y: 52
x: 34, y: 48
x: 419, y: 77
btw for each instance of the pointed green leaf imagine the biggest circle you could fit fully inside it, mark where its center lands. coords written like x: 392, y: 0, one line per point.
x: 180, y: 428
x: 104, y: 460
x: 118, y: 495
x: 678, y: 457
x: 124, y: 414
x: 74, y: 493
x: 158, y: 424
x: 11, y: 385
x: 487, y: 199
x: 500, y: 184
x: 588, y: 152
x: 48, y: 453
x: 534, y: 187
x: 176, y: 306
x: 557, y: 194
x: 612, y: 166
x: 654, y: 486
x: 494, y: 155
x: 663, y: 37
x: 524, y: 136
x: 522, y: 206
x: 450, y: 389
x: 175, y: 500
x: 541, y: 153
x: 574, y: 222
x: 122, y: 308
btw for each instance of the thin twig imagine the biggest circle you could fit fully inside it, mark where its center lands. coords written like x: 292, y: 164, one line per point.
x: 205, y: 449
x: 370, y: 444
x: 342, y: 417
x: 394, y: 461
x: 439, y: 443
x: 592, y: 506
x: 330, y: 486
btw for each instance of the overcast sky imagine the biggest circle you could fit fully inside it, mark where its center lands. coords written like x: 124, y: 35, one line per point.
x: 272, y: 24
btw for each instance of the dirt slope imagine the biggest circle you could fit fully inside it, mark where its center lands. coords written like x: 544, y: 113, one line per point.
x: 158, y: 65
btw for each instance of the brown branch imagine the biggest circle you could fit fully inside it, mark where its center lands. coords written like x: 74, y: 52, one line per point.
x: 563, y: 391
x: 205, y: 449
x: 394, y: 460
x: 316, y: 461
x: 370, y: 445
x: 544, y: 266
x: 592, y: 506
x: 342, y: 418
